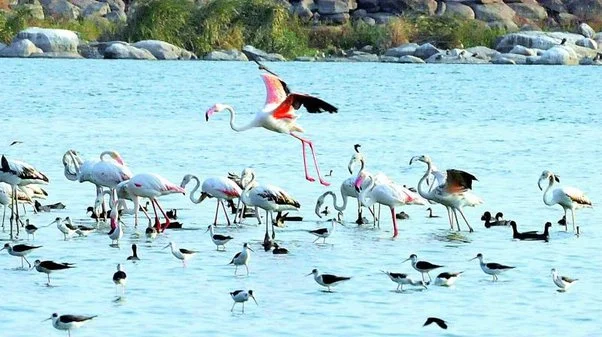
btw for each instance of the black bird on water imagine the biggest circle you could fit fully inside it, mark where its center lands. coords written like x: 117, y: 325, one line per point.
x: 441, y: 323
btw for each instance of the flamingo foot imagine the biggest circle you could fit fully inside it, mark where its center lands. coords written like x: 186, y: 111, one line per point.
x: 167, y: 223
x: 325, y: 183
x: 308, y: 178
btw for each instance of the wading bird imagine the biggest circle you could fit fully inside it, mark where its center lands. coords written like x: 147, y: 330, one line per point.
x: 562, y: 282
x: 68, y: 322
x: 49, y: 267
x: 567, y: 197
x: 241, y: 296
x: 220, y: 188
x: 491, y: 268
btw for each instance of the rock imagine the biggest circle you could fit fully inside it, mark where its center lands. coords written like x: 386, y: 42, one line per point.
x: 462, y: 57
x: 367, y: 49
x: 90, y: 50
x: 493, y: 12
x: 598, y: 38
x: 529, y: 10
x: 360, y: 13
x: 54, y: 42
x: 509, y: 26
x: 330, y: 7
x: 426, y: 50
x: 517, y: 59
x: 595, y: 61
x: 2, y: 46
x: 338, y: 18
x: 369, y: 21
x: 566, y: 19
x: 371, y: 6
x: 363, y: 57
x: 389, y: 59
x: 558, y: 55
x: 226, y: 55
x: 585, y: 30
x: 60, y: 9
x: 162, y: 50
x: 115, y: 5
x: 587, y: 43
x: 260, y: 55
x: 530, y: 26
x: 520, y: 50
x: 585, y: 9
x: 483, y: 52
x: 427, y: 7
x: 458, y: 10
x: 35, y: 9
x: 20, y: 48
x: 410, y: 59
x: 116, y: 16
x: 553, y: 5
x: 96, y: 9
x: 301, y: 10
x: 382, y: 17
x: 336, y: 59
x: 126, y: 51
x: 502, y: 60
x: 534, y: 39
x: 403, y: 50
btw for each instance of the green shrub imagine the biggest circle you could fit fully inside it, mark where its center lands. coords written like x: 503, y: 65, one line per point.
x: 13, y: 22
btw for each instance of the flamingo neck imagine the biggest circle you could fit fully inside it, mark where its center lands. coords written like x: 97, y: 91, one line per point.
x: 334, y: 201
x: 547, y: 200
x: 244, y: 196
x: 194, y: 189
x: 366, y: 201
x: 238, y: 128
x: 423, y: 193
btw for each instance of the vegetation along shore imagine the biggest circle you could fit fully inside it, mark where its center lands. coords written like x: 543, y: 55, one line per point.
x: 402, y: 31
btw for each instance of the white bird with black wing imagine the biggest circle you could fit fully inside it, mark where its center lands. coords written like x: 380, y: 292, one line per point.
x: 48, y: 267
x: 562, y: 282
x: 218, y: 239
x: 242, y: 258
x: 68, y: 322
x: 241, y: 296
x: 20, y: 251
x: 403, y: 279
x: 180, y: 253
x: 327, y: 280
x: 567, y: 197
x: 491, y: 268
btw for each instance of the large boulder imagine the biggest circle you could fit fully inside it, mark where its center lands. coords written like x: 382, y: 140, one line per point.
x: 54, y: 42
x: 370, y: 6
x: 126, y: 51
x: 558, y: 55
x: 585, y: 30
x: 483, y: 52
x: 529, y: 10
x: 587, y: 43
x: 585, y: 9
x: 361, y: 56
x: 35, y: 9
x: 338, y: 18
x: 515, y: 58
x: 20, y: 48
x: 494, y: 12
x: 410, y: 59
x: 462, y: 58
x: 226, y: 55
x: 253, y: 53
x: 115, y: 5
x: 521, y: 50
x: 302, y: 9
x: 426, y: 50
x: 403, y: 50
x: 330, y: 7
x: 555, y: 6
x: 90, y: 50
x: 162, y: 50
x: 60, y: 9
x: 427, y: 7
x: 458, y: 10
x: 598, y: 38
x: 535, y: 39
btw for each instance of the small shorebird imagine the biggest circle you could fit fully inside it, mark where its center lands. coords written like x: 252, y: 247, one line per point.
x: 563, y: 282
x: 241, y: 296
x: 181, y: 253
x: 134, y: 257
x: 279, y: 250
x: 20, y: 251
x: 402, y: 279
x: 49, y: 267
x: 151, y: 232
x: 63, y: 227
x: 242, y: 258
x: 446, y: 279
x: 218, y: 239
x: 327, y: 280
x: 441, y: 323
x: 68, y: 322
x: 120, y: 278
x: 424, y: 267
x: 30, y: 229
x: 491, y: 268
x: 323, y: 233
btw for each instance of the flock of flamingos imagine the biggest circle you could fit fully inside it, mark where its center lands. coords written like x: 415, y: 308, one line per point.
x: 452, y: 188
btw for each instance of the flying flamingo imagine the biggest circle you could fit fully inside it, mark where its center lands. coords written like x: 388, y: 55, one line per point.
x: 104, y: 173
x: 17, y: 173
x: 278, y: 115
x: 389, y: 194
x: 267, y: 197
x: 455, y: 194
x: 567, y: 197
x: 151, y: 186
x: 220, y: 188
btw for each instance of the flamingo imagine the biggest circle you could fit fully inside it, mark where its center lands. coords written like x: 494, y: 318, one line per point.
x: 214, y: 187
x: 267, y: 197
x: 239, y: 181
x: 104, y: 173
x: 278, y: 115
x: 123, y: 195
x: 567, y: 197
x: 455, y: 194
x: 17, y: 173
x: 151, y: 186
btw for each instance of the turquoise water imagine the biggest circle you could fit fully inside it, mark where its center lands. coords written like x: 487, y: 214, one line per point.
x: 503, y: 124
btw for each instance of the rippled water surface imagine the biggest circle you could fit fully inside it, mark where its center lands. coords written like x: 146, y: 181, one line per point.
x: 503, y: 124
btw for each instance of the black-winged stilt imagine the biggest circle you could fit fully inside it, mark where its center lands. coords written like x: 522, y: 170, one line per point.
x: 49, y: 267
x: 241, y: 296
x: 68, y: 322
x: 120, y: 278
x: 218, y: 239
x: 20, y: 251
x: 327, y: 280
x: 323, y: 233
x: 424, y: 267
x: 446, y: 279
x: 491, y: 268
x: 402, y: 279
x: 181, y: 253
x: 563, y: 282
x: 134, y: 257
x: 242, y: 258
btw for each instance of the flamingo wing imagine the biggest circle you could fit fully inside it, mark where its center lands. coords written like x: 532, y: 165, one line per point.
x: 577, y: 196
x: 311, y: 103
x: 278, y: 196
x: 276, y: 91
x: 459, y: 181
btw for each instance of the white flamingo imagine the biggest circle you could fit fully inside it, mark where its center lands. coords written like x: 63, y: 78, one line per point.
x: 567, y: 197
x: 455, y: 194
x: 267, y: 197
x: 151, y: 186
x: 389, y: 194
x: 17, y: 173
x: 278, y: 115
x: 220, y: 188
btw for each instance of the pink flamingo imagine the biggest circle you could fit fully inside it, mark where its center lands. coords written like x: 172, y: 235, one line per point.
x: 151, y: 186
x: 220, y: 188
x: 278, y: 115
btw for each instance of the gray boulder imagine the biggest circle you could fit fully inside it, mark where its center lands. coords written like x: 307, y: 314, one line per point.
x: 2, y: 46
x: 494, y: 12
x: 305, y: 59
x: 595, y: 61
x: 116, y: 16
x: 90, y: 50
x: 427, y: 7
x: 371, y: 6
x: 162, y: 50
x: 330, y: 7
x: 226, y: 55
x: 502, y: 60
x: 598, y: 38
x: 529, y: 10
x: 360, y: 56
x: 382, y: 17
x: 558, y: 55
x: 426, y: 50
x: 60, y: 9
x: 521, y: 50
x: 585, y: 30
x: 54, y: 42
x: 338, y: 18
x: 458, y: 10
x: 410, y: 59
x: 35, y: 9
x: 20, y: 48
x: 115, y: 5
x: 585, y: 9
x: 462, y: 58
x: 587, y: 43
x: 483, y: 52
x: 96, y: 9
x: 534, y: 39
x: 301, y: 9
x: 260, y: 55
x: 125, y: 51
x: 553, y: 5
x: 403, y: 50
x: 517, y: 59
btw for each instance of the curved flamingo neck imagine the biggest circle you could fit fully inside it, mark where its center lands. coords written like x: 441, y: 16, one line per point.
x: 547, y: 200
x: 334, y: 201
x: 194, y: 189
x: 368, y: 202
x: 423, y: 193
x: 238, y: 128
x: 244, y: 196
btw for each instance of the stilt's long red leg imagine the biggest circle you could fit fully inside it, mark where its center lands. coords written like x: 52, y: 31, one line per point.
x: 307, y: 176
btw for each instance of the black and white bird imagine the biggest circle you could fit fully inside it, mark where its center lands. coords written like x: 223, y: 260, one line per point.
x: 20, y: 251
x: 402, y: 279
x: 241, y: 296
x: 218, y: 239
x: 181, y: 253
x: 120, y: 278
x: 242, y: 258
x: 279, y: 250
x: 68, y: 322
x: 491, y: 268
x: 441, y: 323
x: 134, y: 257
x: 327, y: 280
x: 151, y: 232
x: 431, y: 215
x: 48, y: 267
x: 562, y: 282
x: 424, y: 267
x: 30, y: 229
x: 447, y: 279
x: 63, y: 227
x: 323, y: 233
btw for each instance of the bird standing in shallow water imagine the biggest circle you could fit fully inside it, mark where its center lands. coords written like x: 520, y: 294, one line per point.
x: 49, y: 267
x: 218, y: 239
x: 181, y: 253
x: 242, y: 258
x: 402, y: 279
x: 120, y: 278
x: 491, y: 268
x: 30, y: 229
x: 327, y: 280
x: 562, y: 282
x: 241, y: 296
x: 424, y: 267
x: 20, y: 251
x: 68, y: 322
x: 567, y: 197
x: 446, y: 279
x: 323, y: 233
x: 134, y: 257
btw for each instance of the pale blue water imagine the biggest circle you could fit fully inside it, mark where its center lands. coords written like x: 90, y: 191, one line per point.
x: 503, y: 124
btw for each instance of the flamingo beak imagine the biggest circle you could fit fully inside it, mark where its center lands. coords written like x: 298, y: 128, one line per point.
x: 539, y: 184
x: 349, y: 167
x: 412, y: 160
x: 209, y: 113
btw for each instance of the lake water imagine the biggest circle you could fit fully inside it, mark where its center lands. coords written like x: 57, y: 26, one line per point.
x: 504, y: 124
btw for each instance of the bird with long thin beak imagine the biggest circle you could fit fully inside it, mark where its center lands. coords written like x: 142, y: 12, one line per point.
x: 241, y: 296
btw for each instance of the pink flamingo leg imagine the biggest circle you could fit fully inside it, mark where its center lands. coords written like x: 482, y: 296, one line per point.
x: 225, y: 212
x: 167, y: 222
x: 307, y: 176
x: 313, y: 154
x: 216, y: 211
x: 157, y: 223
x: 394, y: 222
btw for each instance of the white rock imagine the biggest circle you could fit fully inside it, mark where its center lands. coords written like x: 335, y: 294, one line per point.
x: 126, y: 51
x: 162, y: 50
x: 20, y: 48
